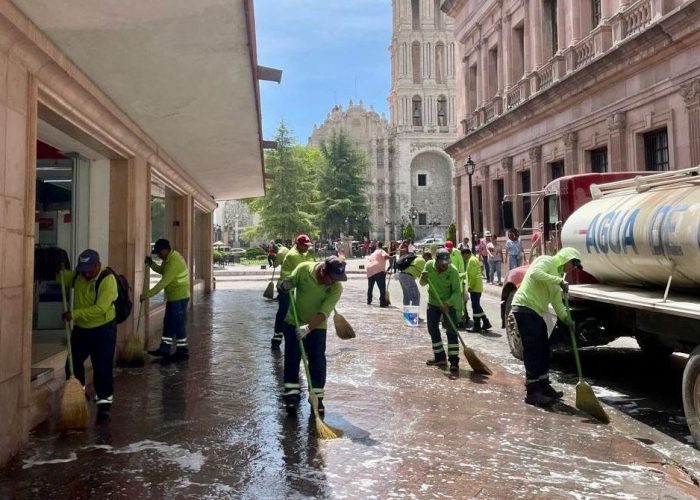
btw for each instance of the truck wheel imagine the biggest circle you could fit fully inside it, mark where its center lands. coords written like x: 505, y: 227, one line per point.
x: 515, y: 342
x: 651, y: 347
x: 691, y: 394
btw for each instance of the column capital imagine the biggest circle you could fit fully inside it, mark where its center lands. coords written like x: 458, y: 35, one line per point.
x: 507, y: 162
x: 570, y: 139
x: 690, y: 92
x: 617, y: 121
x: 535, y: 154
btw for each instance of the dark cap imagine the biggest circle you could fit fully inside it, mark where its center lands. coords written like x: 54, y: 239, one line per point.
x: 161, y: 244
x: 87, y: 260
x: 335, y: 268
x: 442, y: 256
x: 466, y: 249
x: 577, y: 263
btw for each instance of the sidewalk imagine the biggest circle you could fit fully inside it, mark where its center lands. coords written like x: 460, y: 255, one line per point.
x: 214, y: 427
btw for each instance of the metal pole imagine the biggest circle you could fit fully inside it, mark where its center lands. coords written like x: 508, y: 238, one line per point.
x: 471, y: 212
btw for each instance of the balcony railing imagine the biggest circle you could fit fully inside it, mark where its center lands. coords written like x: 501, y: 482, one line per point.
x: 637, y: 17
x: 514, y: 95
x: 545, y: 76
x: 584, y: 51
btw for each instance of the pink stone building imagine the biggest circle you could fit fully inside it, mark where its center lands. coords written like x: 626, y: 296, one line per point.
x: 548, y: 88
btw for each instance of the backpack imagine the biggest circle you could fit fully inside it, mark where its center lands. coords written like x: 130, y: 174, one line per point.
x: 123, y: 305
x: 405, y: 261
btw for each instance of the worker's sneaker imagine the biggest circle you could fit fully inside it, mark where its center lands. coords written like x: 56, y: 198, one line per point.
x: 291, y: 405
x: 181, y: 354
x: 454, y: 372
x: 275, y: 344
x: 477, y: 326
x: 486, y: 324
x: 536, y: 397
x: 440, y: 363
x: 104, y: 411
x: 550, y: 391
x: 159, y: 352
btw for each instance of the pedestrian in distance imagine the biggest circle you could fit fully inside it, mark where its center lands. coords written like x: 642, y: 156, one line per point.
x: 495, y: 249
x: 444, y: 290
x: 271, y: 253
x: 536, y: 242
x: 464, y: 244
x: 514, y: 249
x: 409, y: 266
x: 298, y: 254
x: 376, y: 273
x: 176, y: 284
x: 484, y: 254
x: 393, y: 250
x: 94, y: 333
x: 475, y: 287
x: 317, y: 291
x: 543, y: 284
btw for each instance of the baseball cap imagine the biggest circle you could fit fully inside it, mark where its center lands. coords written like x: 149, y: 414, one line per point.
x: 449, y: 245
x: 487, y: 234
x: 303, y: 239
x: 577, y: 263
x: 161, y: 244
x: 87, y: 260
x: 442, y: 256
x: 335, y: 268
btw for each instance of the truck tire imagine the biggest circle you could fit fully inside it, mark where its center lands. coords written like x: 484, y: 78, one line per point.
x: 691, y: 394
x: 652, y: 347
x: 515, y: 342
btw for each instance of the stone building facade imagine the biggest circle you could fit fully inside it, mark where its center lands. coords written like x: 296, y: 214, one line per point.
x: 557, y: 87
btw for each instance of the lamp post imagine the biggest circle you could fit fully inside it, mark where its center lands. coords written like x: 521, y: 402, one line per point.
x: 388, y: 230
x: 470, y: 166
x: 435, y: 223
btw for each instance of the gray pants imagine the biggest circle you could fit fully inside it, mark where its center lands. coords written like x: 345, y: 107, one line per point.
x: 411, y: 294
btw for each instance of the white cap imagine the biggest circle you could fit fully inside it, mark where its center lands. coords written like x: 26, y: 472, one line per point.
x: 487, y: 233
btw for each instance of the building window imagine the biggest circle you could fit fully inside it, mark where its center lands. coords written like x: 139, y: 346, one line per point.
x: 442, y: 111
x: 417, y: 111
x: 423, y: 219
x: 656, y: 150
x: 415, y: 61
x: 527, y: 200
x: 415, y: 14
x: 422, y: 179
x: 500, y: 189
x: 472, y: 88
x: 599, y: 160
x: 518, y: 53
x: 440, y: 68
x: 493, y: 72
x: 596, y: 11
x: 438, y: 15
x: 557, y: 169
x: 551, y: 35
x: 479, y: 202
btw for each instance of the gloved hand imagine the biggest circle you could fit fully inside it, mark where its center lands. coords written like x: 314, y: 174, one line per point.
x: 284, y: 286
x: 148, y: 260
x: 564, y: 286
x: 302, y: 332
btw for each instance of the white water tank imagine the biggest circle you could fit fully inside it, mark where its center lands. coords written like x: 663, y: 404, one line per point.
x: 640, y: 238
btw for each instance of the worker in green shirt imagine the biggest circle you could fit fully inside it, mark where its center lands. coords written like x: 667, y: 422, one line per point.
x: 94, y: 331
x: 457, y: 261
x: 444, y: 290
x: 298, y: 254
x: 176, y: 283
x: 410, y: 267
x: 318, y: 290
x: 475, y: 287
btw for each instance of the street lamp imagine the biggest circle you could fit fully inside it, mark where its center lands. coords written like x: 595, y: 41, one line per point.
x: 347, y: 226
x: 435, y: 223
x: 470, y: 166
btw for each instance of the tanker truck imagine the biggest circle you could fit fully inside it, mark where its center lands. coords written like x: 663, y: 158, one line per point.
x: 639, y: 238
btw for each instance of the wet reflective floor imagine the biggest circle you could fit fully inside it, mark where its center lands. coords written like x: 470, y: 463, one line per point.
x: 214, y: 427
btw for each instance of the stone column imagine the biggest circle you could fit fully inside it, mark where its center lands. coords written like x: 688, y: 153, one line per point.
x: 457, y: 188
x: 527, y: 37
x: 538, y: 179
x: 484, y: 63
x: 577, y: 20
x: 691, y: 95
x: 562, y: 39
x: 510, y: 181
x: 617, y: 123
x: 506, y: 55
x: 500, y: 80
x: 571, y: 153
x: 487, y: 195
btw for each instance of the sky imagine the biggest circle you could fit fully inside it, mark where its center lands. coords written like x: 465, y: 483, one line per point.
x: 330, y: 51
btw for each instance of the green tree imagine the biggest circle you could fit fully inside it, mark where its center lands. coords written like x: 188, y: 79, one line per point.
x: 408, y: 233
x: 340, y: 188
x: 286, y: 210
x: 452, y: 233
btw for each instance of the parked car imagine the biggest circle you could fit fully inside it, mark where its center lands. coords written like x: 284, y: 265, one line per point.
x: 426, y: 242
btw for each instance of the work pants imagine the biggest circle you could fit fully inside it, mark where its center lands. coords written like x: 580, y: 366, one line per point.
x: 536, y: 352
x: 477, y: 310
x: 99, y: 344
x: 434, y: 317
x: 175, y: 325
x: 282, y: 309
x: 411, y: 294
x: 315, y: 346
x: 380, y: 280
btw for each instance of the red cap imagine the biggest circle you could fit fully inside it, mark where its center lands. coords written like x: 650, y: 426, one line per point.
x: 303, y: 239
x: 449, y: 245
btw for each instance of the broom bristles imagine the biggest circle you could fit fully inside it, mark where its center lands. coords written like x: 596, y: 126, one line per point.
x: 477, y: 365
x: 74, y: 408
x: 587, y: 402
x: 323, y: 430
x: 343, y: 329
x: 132, y: 353
x: 269, y: 292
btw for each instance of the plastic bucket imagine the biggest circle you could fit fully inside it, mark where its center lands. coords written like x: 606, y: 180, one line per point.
x: 410, y: 315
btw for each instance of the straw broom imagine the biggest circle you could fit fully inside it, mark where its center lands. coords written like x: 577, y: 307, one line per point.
x: 586, y: 400
x: 74, y: 408
x: 343, y: 329
x: 132, y: 353
x: 323, y: 430
x: 474, y: 361
x: 269, y: 292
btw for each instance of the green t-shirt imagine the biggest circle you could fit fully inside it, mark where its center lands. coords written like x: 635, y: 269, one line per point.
x: 175, y: 280
x: 446, y: 287
x: 292, y: 260
x: 416, y: 267
x: 474, y: 281
x: 311, y: 296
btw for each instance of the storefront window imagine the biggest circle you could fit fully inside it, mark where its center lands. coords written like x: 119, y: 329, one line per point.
x: 158, y: 230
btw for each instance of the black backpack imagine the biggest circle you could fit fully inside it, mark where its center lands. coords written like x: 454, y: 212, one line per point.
x: 123, y: 305
x: 405, y: 261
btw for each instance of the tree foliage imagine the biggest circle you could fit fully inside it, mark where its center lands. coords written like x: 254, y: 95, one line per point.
x: 340, y: 188
x: 408, y: 233
x: 452, y: 233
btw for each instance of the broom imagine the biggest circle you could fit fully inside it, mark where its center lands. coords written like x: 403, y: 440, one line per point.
x: 74, y: 408
x: 386, y: 292
x: 586, y: 401
x: 343, y: 329
x: 132, y: 353
x: 477, y: 365
x: 269, y: 292
x: 323, y: 430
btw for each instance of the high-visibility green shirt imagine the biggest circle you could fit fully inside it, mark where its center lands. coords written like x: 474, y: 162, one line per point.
x: 446, y: 286
x: 416, y: 267
x: 281, y: 254
x: 541, y: 284
x: 312, y: 297
x: 457, y: 260
x: 175, y: 280
x: 91, y: 308
x: 473, y: 275
x: 293, y: 258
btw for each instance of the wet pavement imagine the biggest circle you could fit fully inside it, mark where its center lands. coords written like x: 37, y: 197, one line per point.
x: 214, y: 427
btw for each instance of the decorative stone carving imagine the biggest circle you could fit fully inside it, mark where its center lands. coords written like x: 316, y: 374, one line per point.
x: 691, y: 92
x: 507, y: 163
x: 570, y: 139
x: 535, y: 154
x: 617, y: 122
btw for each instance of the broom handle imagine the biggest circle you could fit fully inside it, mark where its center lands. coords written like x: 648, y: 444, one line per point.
x: 143, y: 289
x: 573, y: 339
x: 449, y: 318
x: 292, y: 300
x: 65, y: 309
